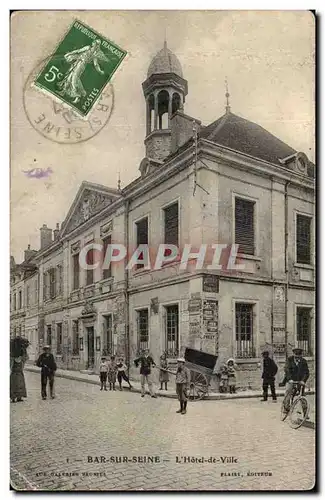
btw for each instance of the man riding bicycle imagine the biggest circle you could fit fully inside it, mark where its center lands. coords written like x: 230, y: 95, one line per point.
x: 296, y: 372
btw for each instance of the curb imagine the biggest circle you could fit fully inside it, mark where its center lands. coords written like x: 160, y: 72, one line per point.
x: 211, y: 397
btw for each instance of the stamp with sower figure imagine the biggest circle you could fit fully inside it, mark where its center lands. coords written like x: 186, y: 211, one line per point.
x: 80, y: 68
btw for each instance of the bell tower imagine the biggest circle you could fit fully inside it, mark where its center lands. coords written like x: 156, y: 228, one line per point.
x: 164, y: 91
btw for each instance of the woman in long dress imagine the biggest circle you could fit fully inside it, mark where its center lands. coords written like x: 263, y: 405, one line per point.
x: 17, y: 380
x: 163, y: 375
x: 71, y: 84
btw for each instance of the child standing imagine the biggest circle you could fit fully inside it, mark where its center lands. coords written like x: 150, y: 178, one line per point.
x: 112, y: 370
x: 163, y: 374
x: 224, y: 378
x: 231, y: 367
x: 103, y: 370
x: 121, y: 369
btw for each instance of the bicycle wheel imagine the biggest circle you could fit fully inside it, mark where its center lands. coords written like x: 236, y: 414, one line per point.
x: 284, y: 412
x: 298, y: 412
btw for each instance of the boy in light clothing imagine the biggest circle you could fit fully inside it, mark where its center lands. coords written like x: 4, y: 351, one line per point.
x: 121, y: 369
x: 103, y: 370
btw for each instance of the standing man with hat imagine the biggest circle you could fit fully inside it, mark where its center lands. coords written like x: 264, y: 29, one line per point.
x: 146, y: 362
x: 268, y: 375
x: 183, y: 379
x: 296, y: 371
x: 47, y: 364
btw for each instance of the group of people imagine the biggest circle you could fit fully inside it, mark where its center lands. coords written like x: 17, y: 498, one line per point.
x: 296, y: 372
x: 228, y: 376
x: 183, y: 377
x: 111, y: 369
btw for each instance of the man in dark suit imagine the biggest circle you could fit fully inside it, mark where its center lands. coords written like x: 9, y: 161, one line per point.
x: 47, y: 364
x: 269, y: 371
x: 145, y: 362
x: 296, y: 370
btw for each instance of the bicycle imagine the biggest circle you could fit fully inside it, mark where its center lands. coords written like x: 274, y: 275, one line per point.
x: 299, y: 407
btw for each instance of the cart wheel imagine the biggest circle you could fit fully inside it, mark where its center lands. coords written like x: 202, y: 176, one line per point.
x: 198, y: 386
x: 298, y: 412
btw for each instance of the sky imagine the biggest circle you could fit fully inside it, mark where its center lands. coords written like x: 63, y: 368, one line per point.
x: 267, y: 57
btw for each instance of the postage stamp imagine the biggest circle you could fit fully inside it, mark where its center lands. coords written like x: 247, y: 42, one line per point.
x: 57, y: 120
x: 80, y: 68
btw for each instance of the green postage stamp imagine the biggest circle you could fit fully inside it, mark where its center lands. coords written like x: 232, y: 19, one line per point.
x: 80, y: 68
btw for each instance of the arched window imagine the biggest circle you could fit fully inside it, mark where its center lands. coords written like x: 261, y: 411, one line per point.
x: 176, y: 102
x: 163, y: 101
x: 151, y: 114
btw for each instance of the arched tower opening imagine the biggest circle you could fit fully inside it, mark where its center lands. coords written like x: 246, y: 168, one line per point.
x: 150, y: 113
x: 176, y: 103
x: 163, y: 107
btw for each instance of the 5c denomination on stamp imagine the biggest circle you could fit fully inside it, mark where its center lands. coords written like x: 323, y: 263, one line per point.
x: 57, y: 121
x: 80, y: 68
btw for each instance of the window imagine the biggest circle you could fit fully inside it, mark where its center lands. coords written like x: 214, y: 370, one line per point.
x: 27, y: 296
x: 52, y: 284
x: 76, y: 271
x: 107, y: 273
x: 244, y: 331
x: 142, y: 237
x: 143, y: 329
x: 303, y: 317
x: 75, y: 337
x: 244, y: 226
x: 171, y: 224
x: 20, y: 300
x: 59, y: 338
x: 108, y: 347
x: 44, y: 286
x: 90, y: 272
x: 49, y: 335
x: 14, y: 305
x: 303, y: 233
x: 59, y: 271
x: 171, y: 331
x: 36, y: 292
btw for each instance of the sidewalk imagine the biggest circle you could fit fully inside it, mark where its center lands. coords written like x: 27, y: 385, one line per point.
x: 170, y: 393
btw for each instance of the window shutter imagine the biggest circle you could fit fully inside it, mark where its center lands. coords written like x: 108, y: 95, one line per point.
x: 44, y: 286
x: 171, y: 224
x: 142, y: 232
x: 303, y: 224
x: 106, y: 272
x: 104, y: 341
x: 244, y: 226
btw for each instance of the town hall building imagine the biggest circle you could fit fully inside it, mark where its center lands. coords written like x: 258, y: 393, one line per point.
x: 232, y: 183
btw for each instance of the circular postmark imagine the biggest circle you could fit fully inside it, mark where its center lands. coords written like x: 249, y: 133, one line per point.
x: 57, y: 120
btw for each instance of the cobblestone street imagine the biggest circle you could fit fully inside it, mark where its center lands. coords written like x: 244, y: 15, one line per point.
x: 51, y: 442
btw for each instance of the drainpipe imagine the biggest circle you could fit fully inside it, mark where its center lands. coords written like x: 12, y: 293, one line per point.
x: 272, y: 276
x: 126, y: 284
x: 286, y: 264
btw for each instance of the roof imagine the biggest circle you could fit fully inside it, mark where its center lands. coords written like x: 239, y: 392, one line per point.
x: 247, y: 137
x: 165, y: 62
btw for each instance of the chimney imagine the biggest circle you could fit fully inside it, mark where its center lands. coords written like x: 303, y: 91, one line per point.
x: 46, y: 236
x: 28, y: 254
x: 56, y: 232
x: 182, y: 129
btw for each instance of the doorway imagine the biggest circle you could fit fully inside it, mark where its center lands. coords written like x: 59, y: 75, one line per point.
x: 91, y: 347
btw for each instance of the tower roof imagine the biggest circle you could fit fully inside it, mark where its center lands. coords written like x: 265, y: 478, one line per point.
x: 165, y: 62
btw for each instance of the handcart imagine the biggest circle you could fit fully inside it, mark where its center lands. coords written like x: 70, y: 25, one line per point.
x: 201, y: 366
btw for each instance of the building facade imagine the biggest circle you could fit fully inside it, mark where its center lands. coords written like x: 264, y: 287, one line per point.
x: 230, y: 182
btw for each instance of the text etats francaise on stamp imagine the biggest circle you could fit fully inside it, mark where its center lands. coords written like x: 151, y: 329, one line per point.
x: 80, y: 68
